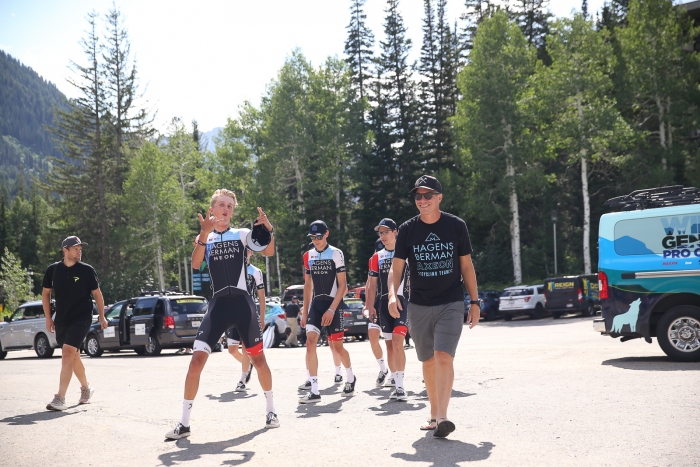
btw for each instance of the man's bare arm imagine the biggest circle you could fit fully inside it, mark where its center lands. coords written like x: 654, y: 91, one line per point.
x: 469, y: 275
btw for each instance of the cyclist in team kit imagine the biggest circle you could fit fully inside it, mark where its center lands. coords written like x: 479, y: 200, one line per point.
x: 324, y: 287
x: 256, y: 286
x: 394, y: 329
x: 374, y: 329
x: 224, y: 250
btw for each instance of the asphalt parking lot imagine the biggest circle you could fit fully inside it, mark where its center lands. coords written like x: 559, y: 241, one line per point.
x: 539, y: 393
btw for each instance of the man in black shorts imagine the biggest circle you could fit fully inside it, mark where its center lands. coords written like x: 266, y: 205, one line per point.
x: 224, y: 249
x: 437, y: 248
x: 394, y: 329
x: 72, y: 282
x: 324, y: 287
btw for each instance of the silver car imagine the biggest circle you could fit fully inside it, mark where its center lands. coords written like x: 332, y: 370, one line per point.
x: 26, y: 329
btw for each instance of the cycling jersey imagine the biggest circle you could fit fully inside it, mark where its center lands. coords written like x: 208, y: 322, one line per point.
x: 254, y: 281
x: 379, y: 266
x: 323, y: 267
x: 225, y: 255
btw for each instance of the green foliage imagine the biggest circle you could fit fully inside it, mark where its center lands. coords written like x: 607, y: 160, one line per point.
x: 15, y: 283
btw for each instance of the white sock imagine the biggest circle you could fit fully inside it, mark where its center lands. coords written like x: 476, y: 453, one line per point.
x: 186, y: 410
x: 244, y: 375
x: 382, y: 365
x: 393, y: 376
x: 308, y: 375
x: 337, y: 370
x: 399, y: 379
x: 269, y: 404
x: 351, y: 377
x: 314, y: 384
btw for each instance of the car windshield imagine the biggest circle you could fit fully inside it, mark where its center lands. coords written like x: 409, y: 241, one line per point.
x: 517, y: 292
x: 188, y: 306
x: 355, y: 305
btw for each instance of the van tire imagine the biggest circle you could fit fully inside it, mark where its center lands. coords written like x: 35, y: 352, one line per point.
x: 556, y: 315
x: 153, y: 347
x: 538, y: 312
x: 688, y: 318
x: 507, y: 317
x: 588, y: 311
x: 92, y: 346
x: 42, y: 346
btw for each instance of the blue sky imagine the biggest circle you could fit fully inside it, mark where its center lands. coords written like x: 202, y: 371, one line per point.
x: 202, y: 60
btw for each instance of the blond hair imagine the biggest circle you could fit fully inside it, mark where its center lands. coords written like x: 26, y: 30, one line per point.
x: 223, y: 192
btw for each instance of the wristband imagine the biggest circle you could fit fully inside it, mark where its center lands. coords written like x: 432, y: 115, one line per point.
x: 199, y: 242
x: 332, y: 311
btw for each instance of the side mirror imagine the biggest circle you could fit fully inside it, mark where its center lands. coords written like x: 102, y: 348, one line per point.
x: 7, y: 319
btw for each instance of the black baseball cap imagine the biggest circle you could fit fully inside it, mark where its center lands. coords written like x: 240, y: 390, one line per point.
x: 428, y: 182
x: 317, y: 228
x: 72, y: 241
x: 258, y: 238
x: 386, y: 222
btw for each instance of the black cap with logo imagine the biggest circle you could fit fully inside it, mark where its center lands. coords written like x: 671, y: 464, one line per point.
x: 317, y: 228
x: 428, y: 182
x: 258, y: 238
x: 386, y: 222
x: 72, y: 241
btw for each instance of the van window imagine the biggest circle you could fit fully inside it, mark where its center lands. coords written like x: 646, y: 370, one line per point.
x: 144, y: 306
x: 188, y: 306
x: 540, y: 290
x: 518, y: 292
x: 657, y: 235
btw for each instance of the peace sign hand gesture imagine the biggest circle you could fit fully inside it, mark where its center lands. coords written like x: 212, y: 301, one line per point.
x: 206, y: 224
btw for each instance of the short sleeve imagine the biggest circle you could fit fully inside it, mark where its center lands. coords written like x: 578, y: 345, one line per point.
x: 464, y: 247
x: 47, y: 282
x: 92, y: 279
x: 401, y: 248
x: 374, y: 265
x: 307, y: 269
x: 339, y: 261
x: 259, y: 283
x: 244, y: 236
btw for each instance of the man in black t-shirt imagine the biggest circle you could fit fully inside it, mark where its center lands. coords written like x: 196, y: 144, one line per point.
x: 437, y: 248
x: 72, y: 282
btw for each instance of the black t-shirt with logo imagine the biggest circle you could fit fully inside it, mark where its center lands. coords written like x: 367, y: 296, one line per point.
x: 72, y: 287
x: 291, y: 310
x: 432, y: 252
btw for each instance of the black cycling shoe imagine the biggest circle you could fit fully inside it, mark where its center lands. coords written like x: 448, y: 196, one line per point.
x: 338, y: 379
x: 349, y: 389
x: 310, y: 398
x: 306, y: 386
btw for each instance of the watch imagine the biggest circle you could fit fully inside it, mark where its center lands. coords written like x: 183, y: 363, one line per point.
x: 475, y: 302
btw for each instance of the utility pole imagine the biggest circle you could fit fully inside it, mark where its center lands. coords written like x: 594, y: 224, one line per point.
x: 554, y: 222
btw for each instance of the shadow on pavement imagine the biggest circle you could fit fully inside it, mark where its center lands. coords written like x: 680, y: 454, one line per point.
x: 651, y: 364
x: 230, y: 396
x: 393, y: 407
x: 192, y: 451
x: 445, y: 452
x: 33, y: 418
x: 316, y: 410
x: 455, y: 394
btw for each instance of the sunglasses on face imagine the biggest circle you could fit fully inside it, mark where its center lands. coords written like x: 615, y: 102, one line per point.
x: 317, y: 237
x: 384, y: 232
x: 428, y: 196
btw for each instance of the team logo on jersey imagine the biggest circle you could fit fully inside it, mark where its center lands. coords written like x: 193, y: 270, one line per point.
x: 76, y: 279
x: 432, y: 238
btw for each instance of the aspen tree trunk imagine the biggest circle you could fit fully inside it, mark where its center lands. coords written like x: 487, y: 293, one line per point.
x: 586, y: 198
x: 662, y: 131
x: 267, y: 272
x: 279, y: 276
x: 513, y: 201
x: 179, y: 276
x: 159, y: 256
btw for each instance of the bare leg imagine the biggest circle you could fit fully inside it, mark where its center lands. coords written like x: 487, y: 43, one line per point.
x: 68, y: 353
x: 264, y: 374
x: 430, y: 377
x: 199, y: 359
x: 336, y: 357
x: 445, y: 379
x: 399, y: 354
x: 245, y: 362
x: 390, y: 356
x: 311, y: 357
x: 342, y: 353
x: 79, y: 370
x: 235, y: 353
x: 374, y: 342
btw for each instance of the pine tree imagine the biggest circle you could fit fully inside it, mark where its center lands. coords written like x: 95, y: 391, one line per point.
x: 359, y: 49
x: 533, y: 18
x: 474, y: 14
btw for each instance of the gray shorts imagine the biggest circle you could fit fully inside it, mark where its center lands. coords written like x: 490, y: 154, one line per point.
x: 436, y: 327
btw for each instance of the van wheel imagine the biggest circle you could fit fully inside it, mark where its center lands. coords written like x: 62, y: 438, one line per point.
x: 678, y: 332
x: 538, y: 312
x: 507, y: 317
x: 589, y: 311
x: 556, y: 315
x: 92, y: 346
x: 42, y: 346
x: 140, y: 350
x: 153, y: 347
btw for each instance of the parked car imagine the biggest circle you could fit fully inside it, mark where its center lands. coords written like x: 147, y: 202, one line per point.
x: 26, y: 329
x: 354, y: 321
x: 357, y: 292
x: 490, y: 300
x: 572, y: 294
x: 523, y: 300
x: 275, y: 316
x: 148, y: 324
x: 297, y: 290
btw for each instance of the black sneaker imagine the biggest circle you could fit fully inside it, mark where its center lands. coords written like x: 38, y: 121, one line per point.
x: 272, y: 421
x: 240, y: 387
x: 400, y: 394
x: 250, y: 372
x: 310, y: 398
x: 306, y: 386
x: 338, y: 379
x: 390, y: 383
x: 349, y: 389
x: 381, y: 378
x: 180, y: 431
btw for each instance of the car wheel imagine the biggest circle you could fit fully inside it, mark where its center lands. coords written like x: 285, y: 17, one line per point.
x: 141, y: 350
x: 556, y: 315
x: 3, y: 353
x: 92, y: 346
x: 678, y: 332
x: 507, y: 317
x: 42, y: 346
x: 153, y: 347
x: 589, y: 311
x: 538, y: 312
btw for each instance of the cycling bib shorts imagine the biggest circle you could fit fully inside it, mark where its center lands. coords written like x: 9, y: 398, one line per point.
x: 225, y: 312
x: 318, y: 308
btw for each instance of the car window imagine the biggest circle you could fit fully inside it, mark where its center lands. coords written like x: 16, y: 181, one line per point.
x: 160, y: 308
x: 540, y: 290
x: 31, y: 312
x: 114, y: 312
x: 353, y: 305
x: 18, y: 314
x: 515, y: 292
x: 145, y: 306
x: 188, y: 306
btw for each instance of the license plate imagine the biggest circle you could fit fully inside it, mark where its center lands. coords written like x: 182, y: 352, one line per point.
x: 569, y: 305
x: 359, y: 322
x: 360, y: 316
x: 195, y: 324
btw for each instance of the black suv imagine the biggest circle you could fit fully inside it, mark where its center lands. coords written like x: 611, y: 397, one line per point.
x: 148, y: 324
x: 489, y: 305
